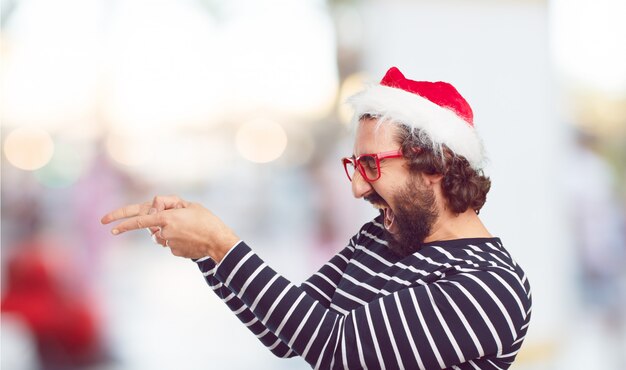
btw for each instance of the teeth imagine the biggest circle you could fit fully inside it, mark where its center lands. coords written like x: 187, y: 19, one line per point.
x: 389, y: 217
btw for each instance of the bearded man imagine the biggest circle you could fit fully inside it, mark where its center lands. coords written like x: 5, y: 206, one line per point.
x: 423, y: 285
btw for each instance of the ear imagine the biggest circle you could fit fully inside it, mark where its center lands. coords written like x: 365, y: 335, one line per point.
x: 432, y: 180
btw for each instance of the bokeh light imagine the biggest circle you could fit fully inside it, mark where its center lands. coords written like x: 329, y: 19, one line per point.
x: 130, y: 149
x: 28, y: 148
x: 350, y: 86
x: 261, y: 140
x: 69, y: 162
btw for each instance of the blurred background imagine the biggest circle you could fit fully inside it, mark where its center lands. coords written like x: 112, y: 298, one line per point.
x: 238, y: 105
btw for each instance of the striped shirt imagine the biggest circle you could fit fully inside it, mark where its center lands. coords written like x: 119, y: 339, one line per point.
x: 458, y: 304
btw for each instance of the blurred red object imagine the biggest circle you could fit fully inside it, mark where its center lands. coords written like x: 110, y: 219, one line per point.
x: 61, y: 320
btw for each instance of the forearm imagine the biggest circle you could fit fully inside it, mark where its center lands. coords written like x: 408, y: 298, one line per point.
x: 320, y: 286
x: 286, y: 310
x: 247, y: 317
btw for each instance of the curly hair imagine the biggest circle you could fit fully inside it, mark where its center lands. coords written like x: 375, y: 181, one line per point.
x: 462, y: 186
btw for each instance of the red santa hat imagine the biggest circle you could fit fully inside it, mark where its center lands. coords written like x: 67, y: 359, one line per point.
x: 436, y: 109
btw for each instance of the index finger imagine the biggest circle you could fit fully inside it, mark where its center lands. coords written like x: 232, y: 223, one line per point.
x: 120, y: 213
x: 138, y: 222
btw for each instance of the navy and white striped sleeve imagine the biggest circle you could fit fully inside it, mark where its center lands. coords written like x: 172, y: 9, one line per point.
x: 450, y: 322
x: 320, y: 286
x: 272, y: 342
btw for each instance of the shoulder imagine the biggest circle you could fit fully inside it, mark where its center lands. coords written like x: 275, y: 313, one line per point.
x: 471, y: 255
x: 485, y: 258
x: 469, y: 250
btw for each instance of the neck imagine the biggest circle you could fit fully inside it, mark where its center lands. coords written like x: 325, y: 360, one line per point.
x: 451, y: 226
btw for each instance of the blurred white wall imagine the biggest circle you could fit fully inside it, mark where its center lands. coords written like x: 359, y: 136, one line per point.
x: 497, y: 55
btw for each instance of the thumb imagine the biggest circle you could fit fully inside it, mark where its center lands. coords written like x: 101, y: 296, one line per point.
x: 163, y: 202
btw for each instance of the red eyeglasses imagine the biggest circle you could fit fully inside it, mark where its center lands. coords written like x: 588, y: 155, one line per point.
x: 368, y: 164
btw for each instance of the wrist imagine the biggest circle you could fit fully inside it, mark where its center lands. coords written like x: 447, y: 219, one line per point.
x: 222, y: 248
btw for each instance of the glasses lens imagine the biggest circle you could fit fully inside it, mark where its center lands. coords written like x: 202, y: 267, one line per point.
x: 369, y: 166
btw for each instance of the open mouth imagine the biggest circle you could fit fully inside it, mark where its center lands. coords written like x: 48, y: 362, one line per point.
x: 388, y: 216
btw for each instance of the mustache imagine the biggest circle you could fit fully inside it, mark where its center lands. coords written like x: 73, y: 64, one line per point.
x: 374, y: 198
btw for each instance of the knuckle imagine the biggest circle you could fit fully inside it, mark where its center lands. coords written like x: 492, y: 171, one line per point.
x: 145, y: 207
x: 161, y: 219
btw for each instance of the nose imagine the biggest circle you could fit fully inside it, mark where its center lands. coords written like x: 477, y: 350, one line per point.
x: 360, y: 187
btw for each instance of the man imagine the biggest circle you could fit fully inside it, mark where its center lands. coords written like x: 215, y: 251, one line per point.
x: 424, y: 285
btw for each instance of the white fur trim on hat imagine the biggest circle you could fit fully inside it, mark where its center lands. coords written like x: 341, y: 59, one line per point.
x: 441, y: 125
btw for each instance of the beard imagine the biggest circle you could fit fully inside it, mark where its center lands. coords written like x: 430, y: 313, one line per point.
x: 415, y: 214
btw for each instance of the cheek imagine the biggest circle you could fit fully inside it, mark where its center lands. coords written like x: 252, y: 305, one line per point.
x: 395, y: 175
x: 388, y: 190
